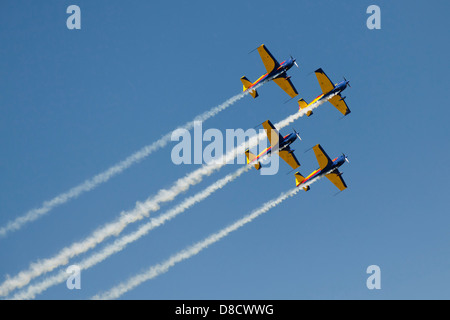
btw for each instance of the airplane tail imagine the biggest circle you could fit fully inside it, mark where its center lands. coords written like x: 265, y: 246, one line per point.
x: 299, y: 179
x: 250, y: 157
x: 302, y: 104
x: 247, y: 84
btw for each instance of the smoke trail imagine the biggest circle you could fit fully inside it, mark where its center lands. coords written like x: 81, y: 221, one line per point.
x: 191, y: 251
x: 118, y: 245
x: 114, y: 170
x: 114, y: 228
x: 141, y: 211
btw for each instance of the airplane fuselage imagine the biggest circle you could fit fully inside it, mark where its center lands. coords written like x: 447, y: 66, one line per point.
x: 281, y: 70
x: 335, y: 164
x: 287, y: 141
x: 339, y: 87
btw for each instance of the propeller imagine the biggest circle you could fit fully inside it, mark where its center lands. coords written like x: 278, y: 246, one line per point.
x: 294, y: 62
x: 346, y: 159
x: 296, y: 133
x: 348, y: 82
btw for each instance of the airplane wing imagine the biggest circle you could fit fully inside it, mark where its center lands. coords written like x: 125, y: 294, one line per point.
x: 290, y: 158
x: 272, y: 133
x: 340, y: 104
x: 269, y: 61
x: 336, y: 178
x: 286, y: 85
x: 325, y: 83
x: 322, y: 157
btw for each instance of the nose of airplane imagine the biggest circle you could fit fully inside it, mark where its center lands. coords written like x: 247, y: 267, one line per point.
x: 294, y: 62
x: 347, y: 83
x: 296, y: 135
x: 345, y: 158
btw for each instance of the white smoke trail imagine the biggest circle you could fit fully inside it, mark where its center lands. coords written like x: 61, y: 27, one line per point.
x: 118, y: 245
x: 141, y: 211
x: 114, y: 228
x: 191, y: 251
x: 114, y: 170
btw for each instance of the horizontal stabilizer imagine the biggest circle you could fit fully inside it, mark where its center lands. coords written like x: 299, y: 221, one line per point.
x: 250, y: 158
x: 298, y: 178
x: 247, y: 84
x: 302, y: 104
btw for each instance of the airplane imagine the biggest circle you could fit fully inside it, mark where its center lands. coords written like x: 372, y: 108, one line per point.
x: 275, y: 72
x: 278, y: 144
x: 330, y: 92
x: 328, y: 168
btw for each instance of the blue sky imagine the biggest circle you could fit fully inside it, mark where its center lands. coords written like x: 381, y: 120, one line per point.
x: 74, y: 102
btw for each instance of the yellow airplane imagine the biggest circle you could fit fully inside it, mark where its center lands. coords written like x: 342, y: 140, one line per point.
x: 331, y: 93
x: 278, y: 144
x: 275, y: 72
x: 327, y: 168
